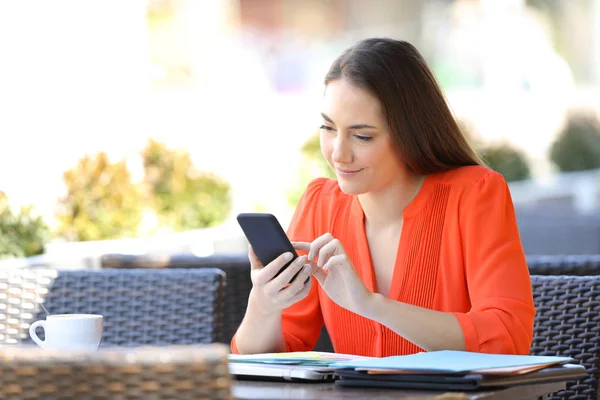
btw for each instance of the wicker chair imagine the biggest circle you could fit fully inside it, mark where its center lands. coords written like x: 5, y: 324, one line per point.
x: 237, y: 269
x: 567, y: 323
x: 161, y: 307
x: 564, y: 265
x: 171, y: 372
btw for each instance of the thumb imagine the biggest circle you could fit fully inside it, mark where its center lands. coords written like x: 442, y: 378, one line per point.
x: 254, y: 261
x: 321, y: 276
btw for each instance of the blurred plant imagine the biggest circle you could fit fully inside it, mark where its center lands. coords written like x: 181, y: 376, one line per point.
x: 507, y: 160
x: 501, y: 157
x: 577, y: 146
x: 22, y: 234
x: 313, y: 165
x: 101, y: 201
x: 312, y: 151
x: 182, y: 197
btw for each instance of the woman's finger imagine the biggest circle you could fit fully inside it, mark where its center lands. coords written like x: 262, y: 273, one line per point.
x: 286, y: 276
x: 328, y: 251
x: 302, y: 246
x: 254, y: 261
x: 335, y: 261
x: 316, y: 245
x: 268, y: 272
x: 299, y: 296
x: 296, y: 286
x: 320, y: 275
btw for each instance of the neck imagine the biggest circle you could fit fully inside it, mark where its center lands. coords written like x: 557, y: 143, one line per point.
x: 385, y: 207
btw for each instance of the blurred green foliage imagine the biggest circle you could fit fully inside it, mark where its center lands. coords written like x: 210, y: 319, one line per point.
x: 181, y: 196
x: 313, y: 165
x: 501, y: 157
x: 507, y: 160
x: 577, y: 146
x: 22, y: 234
x: 101, y: 201
x: 312, y: 151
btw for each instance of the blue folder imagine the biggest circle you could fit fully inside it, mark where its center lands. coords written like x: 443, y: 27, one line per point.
x: 448, y: 361
x: 466, y: 382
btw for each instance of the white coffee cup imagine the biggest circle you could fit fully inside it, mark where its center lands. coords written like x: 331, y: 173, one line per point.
x: 69, y: 331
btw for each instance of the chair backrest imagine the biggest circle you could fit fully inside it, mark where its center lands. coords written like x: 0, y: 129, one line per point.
x: 582, y: 265
x: 567, y: 323
x: 21, y: 291
x: 236, y: 268
x: 140, y: 307
x: 170, y: 372
x: 239, y: 284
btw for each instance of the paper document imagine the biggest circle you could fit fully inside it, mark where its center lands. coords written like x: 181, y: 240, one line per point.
x: 507, y: 371
x: 448, y: 361
x: 312, y: 358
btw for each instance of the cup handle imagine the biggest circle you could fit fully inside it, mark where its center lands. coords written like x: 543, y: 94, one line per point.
x: 34, y: 336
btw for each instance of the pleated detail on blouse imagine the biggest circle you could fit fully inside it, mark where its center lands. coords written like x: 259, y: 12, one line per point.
x: 418, y: 273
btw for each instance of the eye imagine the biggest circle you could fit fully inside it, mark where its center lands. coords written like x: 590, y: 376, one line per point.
x: 364, y: 138
x: 325, y: 127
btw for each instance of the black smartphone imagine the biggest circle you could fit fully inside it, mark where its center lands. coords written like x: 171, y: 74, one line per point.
x: 267, y: 238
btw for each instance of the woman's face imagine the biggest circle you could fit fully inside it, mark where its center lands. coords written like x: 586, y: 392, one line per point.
x: 356, y: 141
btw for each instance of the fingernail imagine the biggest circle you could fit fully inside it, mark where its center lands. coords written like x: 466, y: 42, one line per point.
x: 306, y: 269
x: 301, y: 260
x: 287, y: 256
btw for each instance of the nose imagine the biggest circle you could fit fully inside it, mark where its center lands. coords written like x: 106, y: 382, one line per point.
x: 342, y: 154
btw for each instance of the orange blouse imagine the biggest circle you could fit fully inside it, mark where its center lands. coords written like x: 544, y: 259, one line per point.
x: 459, y: 252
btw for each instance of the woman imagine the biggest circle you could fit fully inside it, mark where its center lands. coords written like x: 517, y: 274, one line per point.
x: 415, y: 245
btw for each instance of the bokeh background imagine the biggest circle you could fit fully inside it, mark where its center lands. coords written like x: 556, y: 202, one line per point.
x: 145, y: 126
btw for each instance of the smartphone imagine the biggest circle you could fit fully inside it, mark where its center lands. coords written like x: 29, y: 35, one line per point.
x: 267, y: 238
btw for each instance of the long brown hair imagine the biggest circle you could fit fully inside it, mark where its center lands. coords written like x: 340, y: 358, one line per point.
x: 425, y: 132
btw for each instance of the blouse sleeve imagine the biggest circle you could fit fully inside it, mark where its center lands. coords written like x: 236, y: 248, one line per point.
x: 502, y: 309
x: 302, y: 322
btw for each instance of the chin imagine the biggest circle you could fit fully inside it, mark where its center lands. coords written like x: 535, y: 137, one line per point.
x: 352, y: 188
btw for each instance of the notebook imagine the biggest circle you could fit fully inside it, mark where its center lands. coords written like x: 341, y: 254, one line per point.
x: 469, y: 381
x: 449, y: 361
x: 309, y: 366
x: 456, y: 370
x: 275, y: 372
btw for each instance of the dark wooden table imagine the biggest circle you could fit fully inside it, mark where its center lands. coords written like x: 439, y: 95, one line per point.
x: 330, y: 391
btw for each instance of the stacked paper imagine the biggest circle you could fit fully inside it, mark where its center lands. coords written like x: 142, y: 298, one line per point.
x: 307, y: 358
x: 452, y: 362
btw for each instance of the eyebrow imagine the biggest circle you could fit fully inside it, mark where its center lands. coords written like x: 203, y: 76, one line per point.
x: 356, y: 126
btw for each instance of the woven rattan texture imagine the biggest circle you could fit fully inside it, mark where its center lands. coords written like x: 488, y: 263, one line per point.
x: 140, y: 307
x: 237, y: 268
x: 567, y: 323
x: 564, y: 265
x: 20, y: 293
x: 172, y: 372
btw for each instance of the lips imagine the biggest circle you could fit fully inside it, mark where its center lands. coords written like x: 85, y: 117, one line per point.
x: 346, y: 173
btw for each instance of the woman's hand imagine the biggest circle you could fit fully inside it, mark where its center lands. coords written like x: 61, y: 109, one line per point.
x: 336, y: 273
x: 270, y: 294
